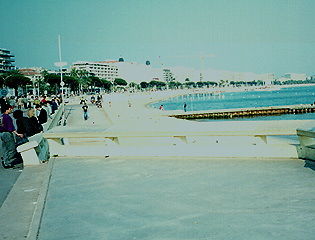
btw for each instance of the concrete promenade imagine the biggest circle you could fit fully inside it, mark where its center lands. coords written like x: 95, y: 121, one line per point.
x: 160, y: 197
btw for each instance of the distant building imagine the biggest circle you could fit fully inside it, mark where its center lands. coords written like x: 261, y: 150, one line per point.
x: 168, y: 75
x: 32, y: 73
x: 136, y: 72
x: 180, y: 74
x: 6, y: 60
x: 295, y: 76
x: 102, y: 70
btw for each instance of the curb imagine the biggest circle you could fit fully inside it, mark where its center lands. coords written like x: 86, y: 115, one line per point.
x: 40, y: 206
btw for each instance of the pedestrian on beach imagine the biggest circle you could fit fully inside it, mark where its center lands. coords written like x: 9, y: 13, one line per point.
x: 185, y: 106
x: 85, y: 111
x: 161, y: 108
x: 7, y: 132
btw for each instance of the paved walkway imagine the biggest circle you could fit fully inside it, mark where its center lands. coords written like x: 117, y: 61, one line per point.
x: 159, y: 197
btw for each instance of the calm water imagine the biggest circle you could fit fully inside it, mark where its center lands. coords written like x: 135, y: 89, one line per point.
x: 285, y: 96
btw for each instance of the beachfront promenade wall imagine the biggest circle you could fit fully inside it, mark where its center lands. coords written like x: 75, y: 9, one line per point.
x: 137, y: 131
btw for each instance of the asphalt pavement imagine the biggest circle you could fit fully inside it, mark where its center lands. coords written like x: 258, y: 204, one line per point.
x: 159, y: 197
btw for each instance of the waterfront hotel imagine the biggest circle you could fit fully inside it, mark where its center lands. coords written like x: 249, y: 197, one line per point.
x: 6, y: 60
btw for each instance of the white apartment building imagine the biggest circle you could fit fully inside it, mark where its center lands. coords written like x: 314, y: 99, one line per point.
x: 6, y: 60
x: 295, y: 76
x: 103, y: 70
x: 137, y: 72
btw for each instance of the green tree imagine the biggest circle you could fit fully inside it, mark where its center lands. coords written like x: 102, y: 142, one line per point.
x: 120, y: 82
x: 54, y: 81
x: 174, y: 85
x: 14, y: 79
x: 107, y: 85
x: 200, y: 84
x: 158, y: 84
x: 144, y: 85
x: 71, y: 82
x: 82, y: 77
x: 190, y: 84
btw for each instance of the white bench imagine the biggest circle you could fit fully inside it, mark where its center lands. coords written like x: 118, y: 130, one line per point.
x: 306, y: 135
x: 35, y: 151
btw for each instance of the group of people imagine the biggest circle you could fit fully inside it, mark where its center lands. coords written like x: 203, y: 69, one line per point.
x: 98, y: 102
x: 12, y: 135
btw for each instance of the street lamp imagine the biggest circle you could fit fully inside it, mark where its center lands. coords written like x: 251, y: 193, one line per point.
x: 60, y: 64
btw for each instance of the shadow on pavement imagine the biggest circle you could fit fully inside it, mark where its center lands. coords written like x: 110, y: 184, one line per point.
x: 310, y: 164
x: 8, y: 178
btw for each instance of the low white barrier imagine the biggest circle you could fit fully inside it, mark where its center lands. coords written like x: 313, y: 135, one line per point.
x: 306, y: 135
x: 261, y: 129
x: 35, y: 151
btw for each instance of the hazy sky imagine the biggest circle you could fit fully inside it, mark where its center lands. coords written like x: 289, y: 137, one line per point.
x: 269, y: 36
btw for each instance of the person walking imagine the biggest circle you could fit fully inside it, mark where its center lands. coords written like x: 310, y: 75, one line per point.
x: 185, y: 106
x: 85, y: 111
x: 7, y: 131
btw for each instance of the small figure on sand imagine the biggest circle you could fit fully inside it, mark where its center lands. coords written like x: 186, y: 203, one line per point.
x: 85, y: 111
x: 161, y: 108
x: 185, y: 106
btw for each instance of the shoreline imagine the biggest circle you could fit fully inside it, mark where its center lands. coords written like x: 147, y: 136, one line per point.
x: 132, y: 108
x: 222, y: 90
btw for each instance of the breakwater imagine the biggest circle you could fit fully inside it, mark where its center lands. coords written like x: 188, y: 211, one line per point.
x: 247, y: 112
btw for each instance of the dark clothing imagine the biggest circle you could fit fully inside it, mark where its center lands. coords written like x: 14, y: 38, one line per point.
x: 27, y: 126
x: 42, y: 117
x: 8, y: 147
x: 54, y: 106
x: 2, y: 101
x: 8, y: 142
x: 85, y: 108
x: 6, y: 123
x: 35, y: 122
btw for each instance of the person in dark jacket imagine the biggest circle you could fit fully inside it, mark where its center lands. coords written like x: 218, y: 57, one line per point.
x: 42, y: 117
x: 54, y: 106
x: 25, y: 125
x: 33, y: 119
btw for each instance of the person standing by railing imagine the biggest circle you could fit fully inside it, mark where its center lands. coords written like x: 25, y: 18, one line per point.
x: 42, y: 116
x: 7, y: 131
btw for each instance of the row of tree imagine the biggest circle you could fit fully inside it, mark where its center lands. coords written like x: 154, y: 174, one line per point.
x: 81, y: 81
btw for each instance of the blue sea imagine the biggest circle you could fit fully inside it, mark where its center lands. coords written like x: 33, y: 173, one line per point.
x: 248, y: 99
